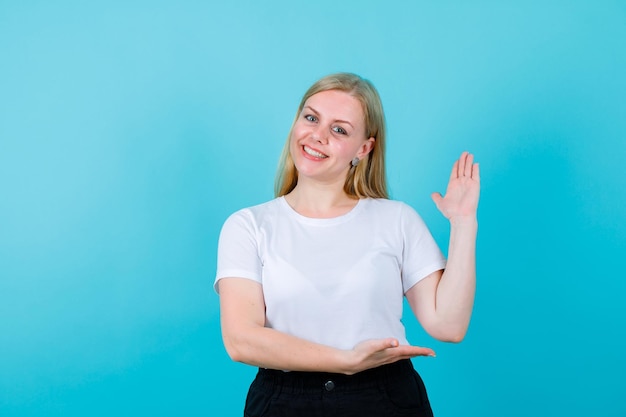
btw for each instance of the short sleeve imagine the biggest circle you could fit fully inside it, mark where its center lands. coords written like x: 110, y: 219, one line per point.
x: 238, y: 249
x: 421, y: 255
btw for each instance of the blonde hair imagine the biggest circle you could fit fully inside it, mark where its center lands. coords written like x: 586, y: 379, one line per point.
x: 368, y: 178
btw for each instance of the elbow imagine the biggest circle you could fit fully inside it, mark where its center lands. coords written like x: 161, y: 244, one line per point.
x: 450, y: 329
x: 234, y: 355
x: 233, y: 350
x: 449, y: 334
x: 242, y: 343
x: 453, y: 338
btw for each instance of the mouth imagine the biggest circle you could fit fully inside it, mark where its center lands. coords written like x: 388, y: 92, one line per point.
x: 314, y: 153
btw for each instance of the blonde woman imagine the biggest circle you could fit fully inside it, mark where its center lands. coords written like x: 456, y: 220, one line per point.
x: 312, y: 282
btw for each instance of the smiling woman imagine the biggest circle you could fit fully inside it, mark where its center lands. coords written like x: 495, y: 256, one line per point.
x: 328, y: 139
x: 312, y: 283
x: 368, y: 179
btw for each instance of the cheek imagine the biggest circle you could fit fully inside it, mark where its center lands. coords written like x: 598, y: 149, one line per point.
x: 347, y: 149
x: 293, y: 145
x: 293, y: 140
x: 298, y: 131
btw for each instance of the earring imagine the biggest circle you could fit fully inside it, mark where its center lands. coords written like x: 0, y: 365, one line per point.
x: 355, y: 161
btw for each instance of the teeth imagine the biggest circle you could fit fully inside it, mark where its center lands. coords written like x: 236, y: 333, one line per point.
x: 314, y: 153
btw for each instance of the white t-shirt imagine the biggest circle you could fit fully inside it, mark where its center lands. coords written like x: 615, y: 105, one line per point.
x: 335, y: 281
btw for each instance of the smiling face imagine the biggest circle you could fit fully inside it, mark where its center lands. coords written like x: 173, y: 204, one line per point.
x: 328, y: 133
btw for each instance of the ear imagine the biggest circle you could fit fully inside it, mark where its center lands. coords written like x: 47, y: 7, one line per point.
x: 366, y: 148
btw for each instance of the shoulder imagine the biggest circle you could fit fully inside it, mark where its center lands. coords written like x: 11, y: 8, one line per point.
x: 258, y: 210
x: 255, y: 214
x: 393, y: 212
x: 386, y: 206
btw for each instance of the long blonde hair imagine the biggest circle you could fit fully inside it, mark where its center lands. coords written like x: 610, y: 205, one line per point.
x: 368, y: 178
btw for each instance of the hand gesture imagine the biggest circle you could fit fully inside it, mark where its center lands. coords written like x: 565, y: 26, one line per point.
x: 377, y: 352
x: 461, y: 199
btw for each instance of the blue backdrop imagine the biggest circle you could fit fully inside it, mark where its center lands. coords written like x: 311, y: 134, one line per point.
x: 130, y: 130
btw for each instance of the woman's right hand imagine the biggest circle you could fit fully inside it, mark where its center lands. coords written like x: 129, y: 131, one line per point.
x: 247, y: 340
x: 377, y: 352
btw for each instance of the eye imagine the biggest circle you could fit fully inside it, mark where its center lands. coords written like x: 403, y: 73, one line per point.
x: 310, y: 118
x: 340, y: 130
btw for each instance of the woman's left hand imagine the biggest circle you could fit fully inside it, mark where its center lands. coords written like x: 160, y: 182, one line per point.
x: 461, y: 199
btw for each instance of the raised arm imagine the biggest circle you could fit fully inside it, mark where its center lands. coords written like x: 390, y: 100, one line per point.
x: 443, y: 301
x: 247, y: 340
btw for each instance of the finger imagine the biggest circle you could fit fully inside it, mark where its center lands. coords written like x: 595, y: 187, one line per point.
x: 455, y: 170
x: 424, y: 352
x: 476, y: 172
x: 461, y: 164
x: 469, y: 163
x: 382, y: 344
x: 437, y: 197
x: 413, y: 351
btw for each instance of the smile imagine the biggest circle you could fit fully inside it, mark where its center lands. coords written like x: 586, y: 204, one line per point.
x: 314, y: 153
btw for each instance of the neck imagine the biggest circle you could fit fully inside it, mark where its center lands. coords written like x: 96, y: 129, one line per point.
x: 320, y: 201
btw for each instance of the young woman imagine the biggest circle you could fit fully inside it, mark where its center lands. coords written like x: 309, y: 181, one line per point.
x: 312, y: 283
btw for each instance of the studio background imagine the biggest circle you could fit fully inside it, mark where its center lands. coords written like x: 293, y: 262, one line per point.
x: 129, y: 131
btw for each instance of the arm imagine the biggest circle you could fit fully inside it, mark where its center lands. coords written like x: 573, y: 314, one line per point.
x: 247, y: 340
x: 443, y: 301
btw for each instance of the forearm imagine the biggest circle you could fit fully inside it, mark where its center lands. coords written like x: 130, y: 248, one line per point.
x: 454, y: 299
x: 269, y: 348
x: 247, y: 340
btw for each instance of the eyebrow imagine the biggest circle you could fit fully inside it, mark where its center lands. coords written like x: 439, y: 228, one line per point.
x: 316, y: 112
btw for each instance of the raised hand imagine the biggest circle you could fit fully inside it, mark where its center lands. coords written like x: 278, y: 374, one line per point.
x: 461, y: 199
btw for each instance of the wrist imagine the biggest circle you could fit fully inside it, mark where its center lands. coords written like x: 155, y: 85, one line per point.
x: 464, y: 222
x: 347, y: 362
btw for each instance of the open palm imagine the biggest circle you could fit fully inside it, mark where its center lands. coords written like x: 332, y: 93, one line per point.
x: 461, y: 198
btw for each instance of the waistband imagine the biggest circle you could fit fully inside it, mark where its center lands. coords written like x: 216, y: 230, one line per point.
x: 296, y: 381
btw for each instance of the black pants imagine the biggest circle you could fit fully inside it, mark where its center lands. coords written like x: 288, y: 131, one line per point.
x: 390, y: 390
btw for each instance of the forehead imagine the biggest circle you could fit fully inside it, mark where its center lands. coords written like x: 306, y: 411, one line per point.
x: 337, y: 105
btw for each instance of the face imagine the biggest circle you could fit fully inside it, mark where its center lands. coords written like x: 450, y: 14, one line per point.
x: 327, y: 135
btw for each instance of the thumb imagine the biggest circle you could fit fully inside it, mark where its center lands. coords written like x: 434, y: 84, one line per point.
x: 389, y: 343
x: 382, y: 344
x: 436, y: 198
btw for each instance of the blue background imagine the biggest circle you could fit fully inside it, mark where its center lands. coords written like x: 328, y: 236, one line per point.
x: 129, y: 131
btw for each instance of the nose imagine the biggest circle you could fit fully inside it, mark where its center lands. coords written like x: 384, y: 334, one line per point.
x: 320, y: 134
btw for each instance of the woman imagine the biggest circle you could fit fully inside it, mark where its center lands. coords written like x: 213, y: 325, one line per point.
x: 311, y: 283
